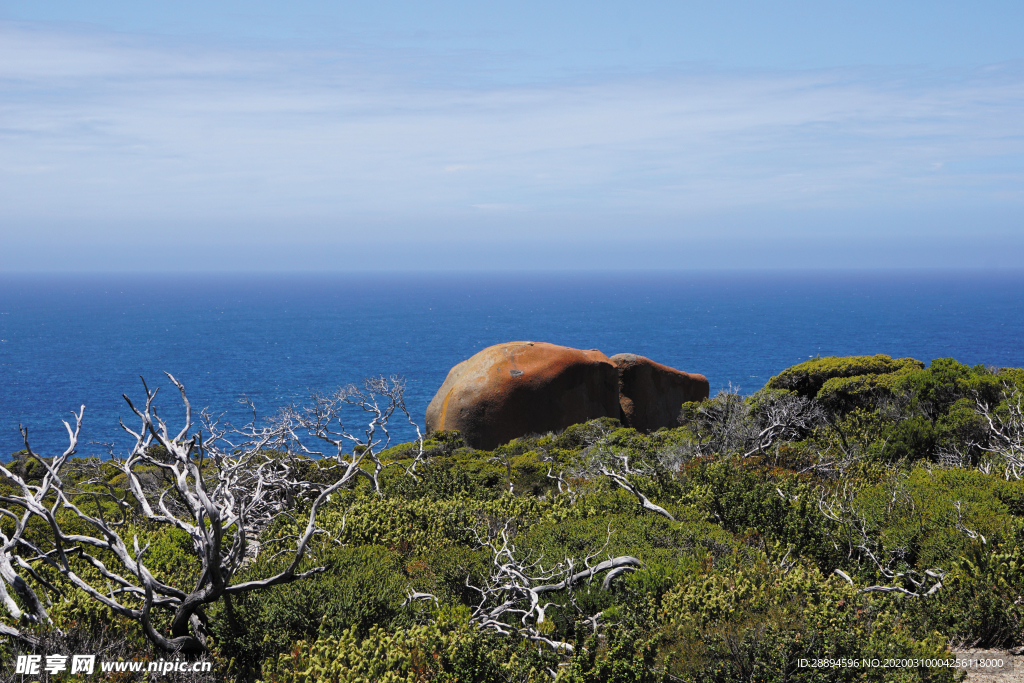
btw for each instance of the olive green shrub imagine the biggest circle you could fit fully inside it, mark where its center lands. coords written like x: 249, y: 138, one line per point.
x: 756, y: 622
x: 624, y: 655
x: 448, y: 651
x: 810, y: 377
x: 984, y: 603
x: 362, y: 588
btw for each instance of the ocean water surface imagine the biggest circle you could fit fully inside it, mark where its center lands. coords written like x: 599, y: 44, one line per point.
x: 77, y: 339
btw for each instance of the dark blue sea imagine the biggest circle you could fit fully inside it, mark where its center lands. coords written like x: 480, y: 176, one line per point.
x: 72, y: 340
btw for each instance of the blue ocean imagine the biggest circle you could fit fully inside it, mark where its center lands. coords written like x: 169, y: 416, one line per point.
x: 72, y: 340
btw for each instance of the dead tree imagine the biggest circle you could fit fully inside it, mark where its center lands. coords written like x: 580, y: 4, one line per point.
x: 1005, y: 431
x: 510, y: 600
x: 853, y: 529
x: 962, y: 528
x: 782, y: 417
x: 359, y: 455
x: 839, y: 454
x: 225, y: 484
x: 564, y: 486
x: 18, y: 508
x: 728, y: 423
x: 720, y: 425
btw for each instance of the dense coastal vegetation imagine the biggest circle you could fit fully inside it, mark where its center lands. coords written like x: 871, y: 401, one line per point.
x: 854, y: 509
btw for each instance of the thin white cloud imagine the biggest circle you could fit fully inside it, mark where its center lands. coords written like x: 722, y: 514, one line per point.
x: 499, y: 207
x: 98, y: 128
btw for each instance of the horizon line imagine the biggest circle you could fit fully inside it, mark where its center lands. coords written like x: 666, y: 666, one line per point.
x: 1005, y: 269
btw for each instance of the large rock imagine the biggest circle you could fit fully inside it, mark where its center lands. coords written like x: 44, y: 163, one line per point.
x: 509, y: 390
x: 651, y: 394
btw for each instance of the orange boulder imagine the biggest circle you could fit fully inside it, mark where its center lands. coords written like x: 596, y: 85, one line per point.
x: 518, y: 388
x: 651, y: 394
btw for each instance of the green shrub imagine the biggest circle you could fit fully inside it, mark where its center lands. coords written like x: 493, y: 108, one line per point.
x: 917, y: 514
x: 436, y: 480
x: 844, y: 393
x: 983, y: 598
x: 421, y: 524
x: 945, y: 382
x: 756, y: 623
x: 809, y: 378
x: 450, y: 651
x: 361, y: 589
x: 623, y: 656
x: 910, y: 439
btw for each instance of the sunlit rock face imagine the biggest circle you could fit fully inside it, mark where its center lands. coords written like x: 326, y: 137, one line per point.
x: 651, y: 394
x: 518, y: 388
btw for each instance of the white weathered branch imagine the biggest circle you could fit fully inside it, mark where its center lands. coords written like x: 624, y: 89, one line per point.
x: 851, y: 526
x: 645, y: 503
x: 783, y: 417
x: 510, y: 600
x: 32, y: 499
x: 1005, y: 431
x: 221, y: 486
x: 359, y: 456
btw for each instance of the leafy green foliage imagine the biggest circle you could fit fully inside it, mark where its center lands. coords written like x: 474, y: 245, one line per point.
x: 448, y: 651
x: 755, y: 622
x: 811, y: 377
x: 984, y: 606
x: 362, y: 588
x: 625, y: 656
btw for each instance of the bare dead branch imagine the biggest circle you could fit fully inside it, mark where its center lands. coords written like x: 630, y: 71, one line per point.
x: 782, y: 417
x: 645, y: 503
x: 564, y: 487
x: 359, y: 455
x: 219, y: 484
x: 850, y: 527
x: 32, y: 499
x: 1005, y: 427
x: 510, y: 599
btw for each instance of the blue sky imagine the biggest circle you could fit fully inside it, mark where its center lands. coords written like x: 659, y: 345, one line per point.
x: 413, y: 135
